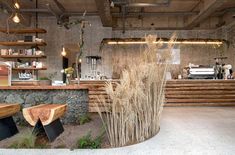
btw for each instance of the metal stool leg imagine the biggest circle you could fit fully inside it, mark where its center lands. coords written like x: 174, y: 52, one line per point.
x: 7, y: 127
x: 52, y: 130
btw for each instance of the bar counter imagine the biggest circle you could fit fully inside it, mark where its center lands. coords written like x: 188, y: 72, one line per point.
x: 188, y: 92
x: 68, y: 87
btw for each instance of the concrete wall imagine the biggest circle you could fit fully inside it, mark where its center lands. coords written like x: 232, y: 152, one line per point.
x: 197, y: 54
x: 57, y: 36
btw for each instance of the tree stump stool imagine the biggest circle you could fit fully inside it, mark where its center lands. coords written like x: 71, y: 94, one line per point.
x: 46, y: 119
x: 7, y: 125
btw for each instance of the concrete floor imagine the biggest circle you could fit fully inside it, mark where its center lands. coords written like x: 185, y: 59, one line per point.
x: 184, y: 130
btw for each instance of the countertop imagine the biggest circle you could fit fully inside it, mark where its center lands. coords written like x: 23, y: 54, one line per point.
x: 69, y: 87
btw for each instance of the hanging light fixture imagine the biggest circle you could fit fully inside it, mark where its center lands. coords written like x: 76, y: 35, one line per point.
x: 16, y: 18
x: 63, y: 53
x: 166, y: 42
x: 16, y: 4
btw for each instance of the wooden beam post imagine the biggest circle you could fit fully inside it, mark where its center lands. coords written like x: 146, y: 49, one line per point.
x: 208, y: 8
x: 103, y: 7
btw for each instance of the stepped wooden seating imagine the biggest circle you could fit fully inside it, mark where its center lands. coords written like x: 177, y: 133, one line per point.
x: 96, y: 91
x: 46, y: 118
x: 7, y: 125
x: 200, y: 93
x: 177, y: 93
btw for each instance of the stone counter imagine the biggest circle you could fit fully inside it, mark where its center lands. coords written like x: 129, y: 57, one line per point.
x: 76, y: 97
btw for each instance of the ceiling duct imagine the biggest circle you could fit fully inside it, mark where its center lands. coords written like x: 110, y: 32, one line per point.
x: 141, y: 3
x: 123, y: 4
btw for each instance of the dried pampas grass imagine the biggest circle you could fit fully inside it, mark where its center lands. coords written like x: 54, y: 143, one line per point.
x: 137, y: 100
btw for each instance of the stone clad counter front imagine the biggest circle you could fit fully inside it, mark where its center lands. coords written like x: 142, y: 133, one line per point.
x: 75, y: 97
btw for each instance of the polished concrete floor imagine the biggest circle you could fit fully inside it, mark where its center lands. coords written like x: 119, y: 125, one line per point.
x: 184, y: 130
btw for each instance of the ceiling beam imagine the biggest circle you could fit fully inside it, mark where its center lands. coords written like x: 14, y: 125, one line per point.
x: 210, y: 6
x: 56, y: 8
x: 59, y: 6
x: 103, y: 7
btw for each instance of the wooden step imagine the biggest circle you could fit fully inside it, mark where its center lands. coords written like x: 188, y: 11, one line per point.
x: 200, y: 85
x: 97, y: 92
x: 201, y: 96
x: 198, y: 81
x: 200, y: 88
x: 198, y: 104
x: 198, y: 92
x: 200, y: 100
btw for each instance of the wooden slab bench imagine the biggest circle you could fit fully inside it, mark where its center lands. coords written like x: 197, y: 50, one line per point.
x: 7, y: 125
x: 46, y: 117
x: 7, y: 110
x: 47, y: 113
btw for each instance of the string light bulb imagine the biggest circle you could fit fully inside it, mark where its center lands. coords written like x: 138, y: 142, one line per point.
x: 63, y: 53
x: 16, y: 18
x: 16, y: 5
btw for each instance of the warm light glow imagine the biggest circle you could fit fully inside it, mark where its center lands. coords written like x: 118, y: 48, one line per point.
x: 63, y: 53
x: 80, y: 60
x: 166, y: 42
x: 16, y: 19
x: 193, y: 42
x: 16, y: 5
x: 126, y: 42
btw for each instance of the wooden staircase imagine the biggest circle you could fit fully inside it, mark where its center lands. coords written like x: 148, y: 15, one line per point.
x: 200, y: 93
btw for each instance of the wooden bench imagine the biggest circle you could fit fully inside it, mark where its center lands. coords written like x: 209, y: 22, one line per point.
x: 7, y: 125
x: 46, y: 118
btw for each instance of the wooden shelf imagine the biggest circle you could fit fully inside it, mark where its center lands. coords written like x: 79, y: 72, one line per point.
x: 23, y: 31
x: 22, y: 56
x: 30, y: 68
x: 24, y: 80
x: 4, y: 43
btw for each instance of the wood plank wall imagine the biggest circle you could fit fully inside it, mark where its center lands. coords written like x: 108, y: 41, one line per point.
x: 200, y: 93
x: 178, y: 93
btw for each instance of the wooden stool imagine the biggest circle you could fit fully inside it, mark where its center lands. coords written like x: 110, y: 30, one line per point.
x: 7, y: 125
x: 46, y: 118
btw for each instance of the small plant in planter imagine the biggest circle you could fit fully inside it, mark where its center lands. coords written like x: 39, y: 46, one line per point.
x: 47, y: 81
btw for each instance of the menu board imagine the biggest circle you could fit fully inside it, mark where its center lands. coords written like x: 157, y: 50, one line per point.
x: 5, y: 74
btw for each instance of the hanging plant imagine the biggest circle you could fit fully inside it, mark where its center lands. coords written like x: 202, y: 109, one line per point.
x: 79, y: 54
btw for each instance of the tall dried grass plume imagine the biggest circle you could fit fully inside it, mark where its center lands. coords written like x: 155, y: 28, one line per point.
x: 138, y: 98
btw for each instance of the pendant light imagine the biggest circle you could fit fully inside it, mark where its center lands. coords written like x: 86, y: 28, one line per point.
x: 63, y: 53
x: 16, y: 5
x: 16, y: 18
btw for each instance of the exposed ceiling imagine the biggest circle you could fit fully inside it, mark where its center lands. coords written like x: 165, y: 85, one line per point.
x: 130, y: 14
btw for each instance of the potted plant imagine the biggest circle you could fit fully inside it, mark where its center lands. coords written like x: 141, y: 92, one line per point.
x: 68, y: 72
x: 46, y: 81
